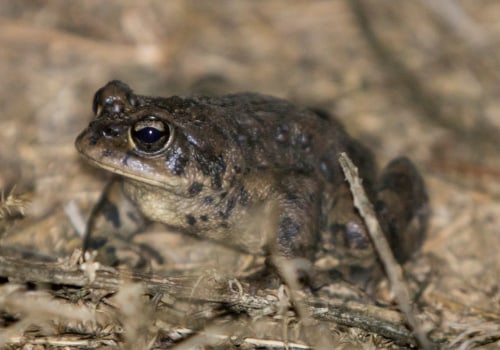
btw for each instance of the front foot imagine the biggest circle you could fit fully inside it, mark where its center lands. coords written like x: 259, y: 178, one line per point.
x: 110, y: 230
x: 116, y: 252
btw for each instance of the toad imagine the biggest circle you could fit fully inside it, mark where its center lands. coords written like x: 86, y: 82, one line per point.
x: 203, y: 165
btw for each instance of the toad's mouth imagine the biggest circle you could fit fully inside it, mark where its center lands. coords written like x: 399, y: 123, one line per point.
x: 129, y: 167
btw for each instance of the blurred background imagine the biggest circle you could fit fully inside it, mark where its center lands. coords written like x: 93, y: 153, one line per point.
x: 418, y: 77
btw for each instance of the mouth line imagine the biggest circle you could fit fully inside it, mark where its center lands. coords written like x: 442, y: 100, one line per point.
x: 123, y: 173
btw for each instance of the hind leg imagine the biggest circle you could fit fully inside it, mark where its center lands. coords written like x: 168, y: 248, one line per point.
x: 402, y: 207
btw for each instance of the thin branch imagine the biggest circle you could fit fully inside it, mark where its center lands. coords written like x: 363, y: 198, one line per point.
x: 12, y: 206
x: 392, y: 268
x: 452, y: 13
x: 211, y: 290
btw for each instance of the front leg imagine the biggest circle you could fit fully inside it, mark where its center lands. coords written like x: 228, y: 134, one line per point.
x: 113, y: 222
x: 298, y: 221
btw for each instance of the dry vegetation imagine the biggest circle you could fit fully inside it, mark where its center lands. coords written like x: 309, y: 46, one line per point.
x: 417, y: 77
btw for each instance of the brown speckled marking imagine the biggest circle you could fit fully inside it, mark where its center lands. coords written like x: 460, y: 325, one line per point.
x: 213, y: 166
x: 231, y: 204
x: 190, y: 219
x: 208, y: 200
x: 244, y: 196
x: 177, y: 161
x: 195, y: 188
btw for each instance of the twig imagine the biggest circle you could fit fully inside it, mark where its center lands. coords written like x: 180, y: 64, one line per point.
x: 63, y: 341
x: 392, y: 268
x: 12, y: 205
x: 456, y: 18
x: 369, y: 318
x: 75, y: 217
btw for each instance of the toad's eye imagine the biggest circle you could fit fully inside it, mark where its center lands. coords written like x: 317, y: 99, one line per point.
x: 150, y: 136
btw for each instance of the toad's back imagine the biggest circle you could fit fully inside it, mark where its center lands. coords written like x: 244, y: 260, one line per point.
x: 260, y: 133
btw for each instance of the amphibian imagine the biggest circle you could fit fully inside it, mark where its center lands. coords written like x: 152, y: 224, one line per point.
x: 202, y: 165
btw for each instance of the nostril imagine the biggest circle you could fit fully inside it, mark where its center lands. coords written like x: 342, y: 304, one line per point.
x: 115, y: 106
x: 110, y: 131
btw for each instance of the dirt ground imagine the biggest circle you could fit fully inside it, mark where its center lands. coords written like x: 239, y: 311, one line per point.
x: 419, y: 78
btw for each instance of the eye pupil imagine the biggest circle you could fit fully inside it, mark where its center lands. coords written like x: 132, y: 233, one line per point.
x: 150, y: 136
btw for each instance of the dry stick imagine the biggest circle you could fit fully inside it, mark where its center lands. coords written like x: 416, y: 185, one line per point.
x: 392, y: 268
x: 453, y: 14
x: 368, y: 317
